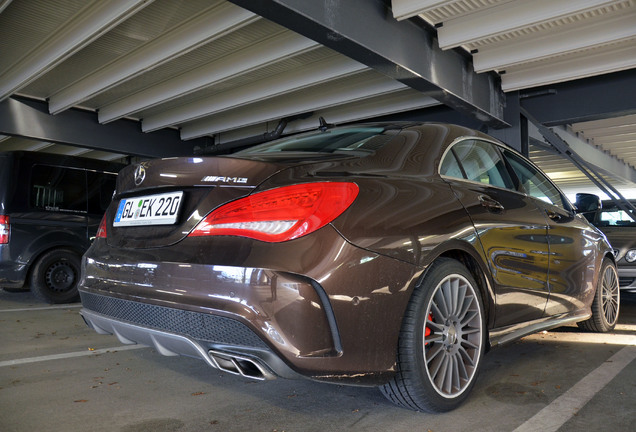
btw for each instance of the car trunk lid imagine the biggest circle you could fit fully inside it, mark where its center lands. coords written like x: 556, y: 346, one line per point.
x: 203, y: 183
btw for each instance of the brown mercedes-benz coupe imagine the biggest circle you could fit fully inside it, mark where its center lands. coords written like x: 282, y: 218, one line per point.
x: 391, y: 255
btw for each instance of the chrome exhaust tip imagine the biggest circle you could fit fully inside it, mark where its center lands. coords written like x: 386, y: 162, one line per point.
x: 240, y: 365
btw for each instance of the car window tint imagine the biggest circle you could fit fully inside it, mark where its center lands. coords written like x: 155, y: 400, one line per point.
x: 450, y: 166
x: 58, y: 189
x: 483, y: 163
x: 534, y: 182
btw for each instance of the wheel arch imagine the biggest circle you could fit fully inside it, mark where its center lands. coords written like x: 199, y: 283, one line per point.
x: 35, y: 258
x: 478, y: 268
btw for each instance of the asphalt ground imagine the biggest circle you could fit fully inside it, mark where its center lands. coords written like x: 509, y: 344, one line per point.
x: 58, y: 375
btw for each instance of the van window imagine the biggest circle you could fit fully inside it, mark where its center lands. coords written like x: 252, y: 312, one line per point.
x: 58, y: 189
x: 100, y: 191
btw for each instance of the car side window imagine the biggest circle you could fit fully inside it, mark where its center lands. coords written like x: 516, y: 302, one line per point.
x: 450, y: 166
x: 481, y: 162
x: 534, y: 182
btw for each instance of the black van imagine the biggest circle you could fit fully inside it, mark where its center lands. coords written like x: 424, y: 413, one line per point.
x: 50, y: 209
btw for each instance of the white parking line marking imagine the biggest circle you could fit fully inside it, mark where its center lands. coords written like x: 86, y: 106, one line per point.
x: 42, y: 308
x: 69, y: 355
x: 553, y: 416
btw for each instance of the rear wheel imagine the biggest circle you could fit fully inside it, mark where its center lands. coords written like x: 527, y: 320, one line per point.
x: 441, y: 341
x: 606, y: 301
x: 55, y: 275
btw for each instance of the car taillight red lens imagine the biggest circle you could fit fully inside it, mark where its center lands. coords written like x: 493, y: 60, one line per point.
x: 280, y: 214
x: 101, y: 231
x: 4, y: 229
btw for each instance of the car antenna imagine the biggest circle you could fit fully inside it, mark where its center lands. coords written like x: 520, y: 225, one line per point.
x: 323, y: 124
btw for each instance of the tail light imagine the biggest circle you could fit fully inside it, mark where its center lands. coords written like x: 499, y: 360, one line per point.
x: 4, y: 229
x: 101, y: 231
x: 280, y: 214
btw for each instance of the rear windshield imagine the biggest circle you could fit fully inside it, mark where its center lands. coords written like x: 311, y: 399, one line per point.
x: 330, y: 141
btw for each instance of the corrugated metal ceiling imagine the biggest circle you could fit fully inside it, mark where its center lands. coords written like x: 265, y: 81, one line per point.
x: 210, y: 68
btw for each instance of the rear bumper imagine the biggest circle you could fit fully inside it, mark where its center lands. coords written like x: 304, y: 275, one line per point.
x: 256, y: 362
x: 335, y: 320
x: 12, y: 274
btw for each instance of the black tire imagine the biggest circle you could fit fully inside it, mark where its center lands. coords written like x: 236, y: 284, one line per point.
x: 423, y: 381
x: 606, y: 301
x: 55, y: 275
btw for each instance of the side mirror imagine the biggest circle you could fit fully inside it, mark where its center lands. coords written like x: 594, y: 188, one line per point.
x: 588, y: 205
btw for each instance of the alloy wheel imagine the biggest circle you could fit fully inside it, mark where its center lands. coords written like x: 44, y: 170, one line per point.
x: 453, y: 345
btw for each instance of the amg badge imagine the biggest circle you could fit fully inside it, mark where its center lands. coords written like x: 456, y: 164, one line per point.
x: 219, y: 179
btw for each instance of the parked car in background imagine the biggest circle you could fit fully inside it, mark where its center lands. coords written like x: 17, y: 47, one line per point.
x: 620, y: 230
x: 392, y: 255
x: 50, y: 208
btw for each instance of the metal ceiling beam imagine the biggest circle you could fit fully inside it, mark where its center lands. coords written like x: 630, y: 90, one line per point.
x: 256, y: 56
x: 364, y: 30
x: 90, y: 23
x: 30, y: 119
x: 588, y: 99
x: 515, y: 136
x: 207, y: 26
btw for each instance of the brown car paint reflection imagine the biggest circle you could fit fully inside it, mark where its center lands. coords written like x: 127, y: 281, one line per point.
x: 519, y: 267
x: 331, y: 305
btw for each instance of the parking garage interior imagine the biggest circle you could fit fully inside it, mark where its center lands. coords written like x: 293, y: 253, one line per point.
x: 132, y: 80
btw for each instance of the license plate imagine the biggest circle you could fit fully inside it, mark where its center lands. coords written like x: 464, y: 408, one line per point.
x: 159, y: 209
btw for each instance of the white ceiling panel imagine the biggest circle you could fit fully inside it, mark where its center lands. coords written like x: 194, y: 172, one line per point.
x: 361, y: 86
x: 202, y: 29
x: 295, y: 79
x: 255, y: 56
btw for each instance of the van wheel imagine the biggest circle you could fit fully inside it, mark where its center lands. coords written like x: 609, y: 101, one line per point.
x: 441, y: 342
x: 55, y: 275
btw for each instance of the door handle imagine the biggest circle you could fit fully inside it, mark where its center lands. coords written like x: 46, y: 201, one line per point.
x: 554, y: 215
x: 490, y: 203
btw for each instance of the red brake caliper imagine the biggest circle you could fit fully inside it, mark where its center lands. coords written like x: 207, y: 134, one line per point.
x: 427, y: 331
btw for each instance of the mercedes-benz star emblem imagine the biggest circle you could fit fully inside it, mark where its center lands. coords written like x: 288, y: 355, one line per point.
x: 140, y: 174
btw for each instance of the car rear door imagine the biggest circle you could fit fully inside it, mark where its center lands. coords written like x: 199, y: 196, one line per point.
x: 511, y: 228
x: 574, y: 255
